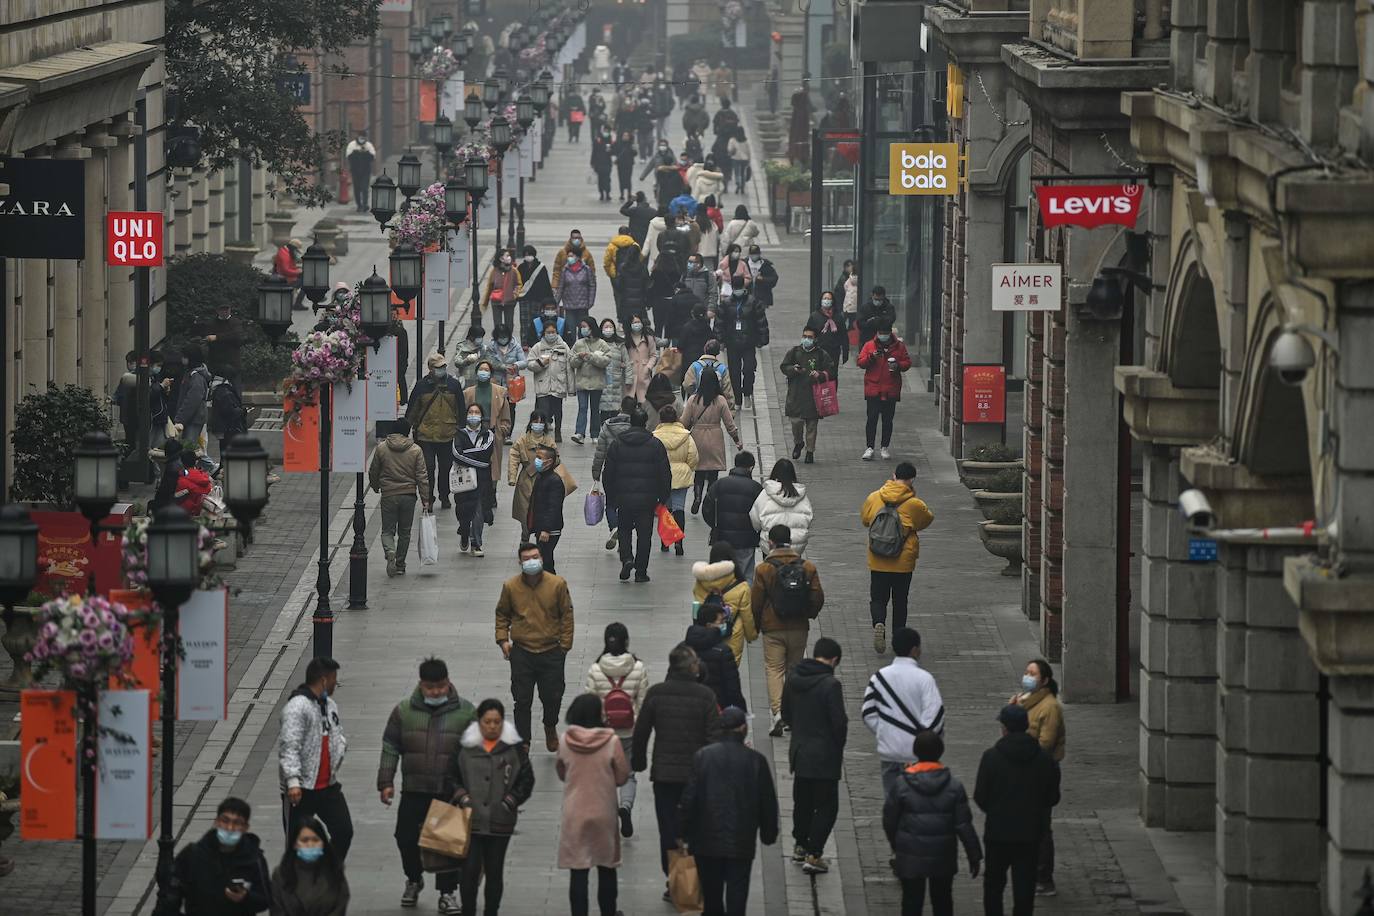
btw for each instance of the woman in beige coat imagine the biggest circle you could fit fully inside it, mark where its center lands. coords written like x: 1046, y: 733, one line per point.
x: 707, y: 409
x: 682, y: 458
x: 519, y: 471
x: 592, y: 765
x: 642, y: 350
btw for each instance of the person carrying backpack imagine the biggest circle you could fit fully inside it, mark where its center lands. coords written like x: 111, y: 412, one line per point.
x: 786, y: 596
x: 620, y: 680
x: 227, y: 415
x: 893, y: 514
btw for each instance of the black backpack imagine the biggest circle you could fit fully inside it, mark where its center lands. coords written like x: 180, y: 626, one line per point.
x: 227, y: 415
x: 791, y: 591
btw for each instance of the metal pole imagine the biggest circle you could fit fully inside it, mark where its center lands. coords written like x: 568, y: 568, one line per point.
x: 498, y: 205
x: 510, y: 222
x: 420, y: 330
x: 88, y: 765
x: 139, y: 468
x: 357, y: 554
x: 324, y: 615
x: 166, y: 839
x: 521, y: 236
x: 476, y: 308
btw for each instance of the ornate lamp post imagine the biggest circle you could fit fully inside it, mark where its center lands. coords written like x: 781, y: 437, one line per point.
x: 383, y: 199
x: 405, y: 282
x: 408, y: 175
x: 315, y: 272
x: 475, y: 177
x: 500, y: 141
x: 491, y: 93
x: 316, y: 286
x: 274, y: 306
x: 443, y: 141
x: 374, y: 307
x: 524, y: 116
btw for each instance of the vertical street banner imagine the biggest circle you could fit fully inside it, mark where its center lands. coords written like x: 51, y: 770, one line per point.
x: 510, y: 169
x: 381, y: 381
x: 300, y: 448
x: 437, y: 286
x: 429, y: 101
x: 47, y: 762
x: 203, y: 672
x: 486, y: 216
x: 124, y: 797
x: 349, y: 442
x: 460, y: 260
x: 527, y: 154
x: 451, y: 99
x: 985, y: 393
x: 538, y: 130
x: 145, y: 670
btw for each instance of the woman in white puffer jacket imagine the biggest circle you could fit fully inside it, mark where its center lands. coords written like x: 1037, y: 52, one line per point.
x: 783, y: 502
x: 617, y: 668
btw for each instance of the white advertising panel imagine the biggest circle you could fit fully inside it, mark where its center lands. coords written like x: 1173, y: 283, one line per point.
x: 348, y: 445
x: 381, y: 381
x: 123, y: 807
x: 203, y: 672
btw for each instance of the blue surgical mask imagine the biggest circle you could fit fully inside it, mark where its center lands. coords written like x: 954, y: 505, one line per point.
x: 808, y: 342
x: 551, y: 339
x: 536, y: 428
x: 474, y: 420
x: 584, y: 332
x: 608, y: 333
x: 884, y: 338
x: 539, y: 464
x: 436, y: 701
x: 483, y: 375
x: 532, y: 567
x: 229, y: 838
x: 724, y: 628
x: 310, y: 853
x: 636, y: 327
x: 1029, y: 683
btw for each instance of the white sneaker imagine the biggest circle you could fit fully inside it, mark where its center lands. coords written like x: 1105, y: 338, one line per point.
x: 776, y: 730
x: 868, y: 454
x: 880, y: 638
x: 449, y: 905
x: 885, y: 453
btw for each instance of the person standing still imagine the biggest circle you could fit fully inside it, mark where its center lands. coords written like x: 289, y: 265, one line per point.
x: 786, y: 596
x: 813, y: 708
x: 893, y: 515
x: 805, y: 366
x: 534, y: 628
x: 435, y: 411
x: 1039, y: 697
x: 361, y: 154
x: 398, y: 472
x: 883, y: 359
x: 310, y: 750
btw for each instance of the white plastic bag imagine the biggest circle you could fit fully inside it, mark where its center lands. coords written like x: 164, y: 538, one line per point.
x: 429, y: 539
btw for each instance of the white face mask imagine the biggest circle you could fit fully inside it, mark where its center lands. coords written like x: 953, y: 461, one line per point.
x: 608, y: 333
x: 636, y: 327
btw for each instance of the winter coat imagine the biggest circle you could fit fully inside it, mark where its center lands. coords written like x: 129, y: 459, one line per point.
x: 834, y: 341
x: 879, y: 380
x: 683, y: 717
x: 537, y: 618
x: 643, y: 361
x: 617, y: 244
x: 693, y: 333
x: 546, y: 502
x: 536, y: 283
x: 612, y: 428
x: 813, y: 707
x: 465, y: 359
x: 191, y: 412
x: 551, y: 366
x: 601, y: 153
x: 765, y: 580
x: 682, y: 452
x: 619, y: 377
x: 1017, y: 786
x: 505, y: 360
x: 746, y: 323
x: 657, y: 226
x: 704, y: 422
x: 739, y: 231
x: 704, y: 363
x: 200, y: 872
x: 223, y: 354
x: 721, y: 577
x: 520, y: 471
x: 901, y: 701
x: 567, y: 254
x: 797, y: 366
x: 773, y: 508
x: 577, y: 288
x: 717, y: 663
x: 1046, y: 720
x: 498, y: 418
x: 695, y: 120
x: 504, y: 283
x: 493, y: 784
x: 435, y: 409
x: 284, y: 265
x: 709, y: 247
x: 398, y: 467
x: 730, y: 802
x: 851, y: 295
x: 623, y: 152
x: 661, y: 394
x: 475, y: 449
x: 736, y: 273
x: 424, y: 740
x: 870, y: 315
x: 305, y: 720
x: 728, y: 506
x: 590, y: 357
x: 762, y: 280
x: 625, y: 671
x: 925, y: 817
x: 915, y: 515
x: 706, y: 183
x: 739, y: 149
x: 315, y: 892
x: 725, y: 121
x: 638, y: 216
x: 637, y: 475
x: 591, y: 763
x: 631, y: 282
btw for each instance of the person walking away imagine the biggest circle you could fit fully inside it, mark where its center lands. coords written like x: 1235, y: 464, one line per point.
x: 726, y: 119
x: 191, y: 413
x: 577, y: 113
x: 786, y: 596
x: 663, y: 284
x: 707, y: 636
x: 708, y: 180
x: 893, y: 515
x: 434, y: 412
x: 741, y: 230
x: 502, y: 290
x: 813, y: 709
x: 226, y: 415
x: 708, y: 224
x: 695, y: 120
x: 550, y: 362
x: 611, y: 430
x: 682, y: 459
x: 1017, y: 788
x: 398, y: 472
x: 621, y: 681
x: 696, y: 330
x: 661, y: 394
x: 901, y: 701
x: 638, y: 478
x: 710, y: 362
x: 422, y: 736
x: 592, y: 766
x: 284, y: 265
x: 728, y: 806
x: 624, y: 264
x: 739, y: 156
x: 1039, y: 696
x: 925, y: 817
x: 591, y: 354
x: 494, y: 779
x: 639, y: 212
x: 876, y: 310
x: 784, y: 502
x: 681, y: 715
x: 883, y: 358
x: 805, y: 366
x: 641, y: 347
x: 534, y: 628
x: 498, y: 412
x: 223, y: 873
x: 704, y: 414
x: 361, y: 154
x: 474, y: 447
x: 624, y: 155
x: 310, y: 750
x: 831, y: 333
x: 680, y: 306
x: 720, y: 578
x: 746, y: 329
x: 520, y: 466
x: 545, y: 522
x: 468, y: 354
x: 602, y: 161
x: 536, y: 288
x: 725, y: 86
x: 309, y: 880
x: 727, y: 508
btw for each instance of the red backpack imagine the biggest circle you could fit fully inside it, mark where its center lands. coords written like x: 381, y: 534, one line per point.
x: 619, y: 706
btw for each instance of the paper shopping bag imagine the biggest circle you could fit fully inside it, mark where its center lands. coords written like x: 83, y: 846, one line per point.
x: 827, y: 397
x: 429, y: 539
x: 446, y: 830
x: 683, y: 883
x: 668, y: 530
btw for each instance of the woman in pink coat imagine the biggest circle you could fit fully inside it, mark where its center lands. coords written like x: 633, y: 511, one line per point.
x: 592, y: 766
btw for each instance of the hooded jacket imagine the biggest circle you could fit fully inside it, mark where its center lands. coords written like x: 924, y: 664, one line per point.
x: 607, y: 672
x: 879, y: 379
x: 398, y: 467
x: 565, y: 254
x: 765, y: 580
x: 611, y: 430
x: 706, y: 183
x: 619, y: 377
x: 870, y: 314
x: 1017, y: 786
x: 577, y: 289
x: 813, y: 707
x: 637, y: 475
x: 727, y: 507
x: 202, y: 870
x: 682, y: 715
x: 618, y: 244
x: 424, y: 740
x: 773, y: 508
x: 902, y: 700
x: 505, y: 359
x: 721, y: 577
x: 715, y: 364
x: 316, y: 892
x: 435, y: 409
x: 718, y: 663
x: 703, y: 285
x: 915, y: 515
x: 682, y: 452
x: 730, y: 802
x: 305, y: 720
x: 925, y: 817
x: 551, y: 366
x: 493, y: 784
x: 591, y: 763
x: 746, y: 323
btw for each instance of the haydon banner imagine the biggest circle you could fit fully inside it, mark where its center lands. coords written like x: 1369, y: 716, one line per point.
x: 1089, y: 206
x: 381, y: 381
x: 437, y: 286
x: 47, y: 761
x: 348, y: 447
x: 203, y: 672
x: 527, y: 155
x: 460, y: 258
x: 124, y: 794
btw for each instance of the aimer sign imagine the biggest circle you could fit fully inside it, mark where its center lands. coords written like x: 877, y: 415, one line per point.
x: 133, y: 239
x: 1027, y: 287
x: 923, y: 168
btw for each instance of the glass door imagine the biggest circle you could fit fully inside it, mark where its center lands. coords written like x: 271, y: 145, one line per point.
x: 834, y: 174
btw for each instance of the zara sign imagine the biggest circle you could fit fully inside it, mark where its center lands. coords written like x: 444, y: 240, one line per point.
x: 43, y: 216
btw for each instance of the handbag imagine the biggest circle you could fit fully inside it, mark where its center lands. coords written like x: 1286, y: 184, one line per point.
x: 594, y: 508
x: 462, y: 479
x: 429, y: 539
x: 668, y: 530
x: 827, y: 397
x: 684, y: 884
x: 447, y: 829
x: 515, y: 388
x: 569, y: 484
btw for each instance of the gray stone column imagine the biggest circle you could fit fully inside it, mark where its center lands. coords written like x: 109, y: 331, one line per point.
x: 181, y: 210
x: 260, y: 206
x: 120, y: 171
x: 66, y: 291
x: 36, y: 355
x: 96, y: 364
x: 214, y: 239
x: 200, y: 211
x: 1350, y: 789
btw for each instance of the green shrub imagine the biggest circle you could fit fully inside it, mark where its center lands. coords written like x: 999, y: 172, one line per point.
x: 265, y: 364
x: 1005, y: 514
x: 47, y: 427
x: 198, y: 284
x: 994, y: 452
x: 1007, y: 481
x: 791, y: 177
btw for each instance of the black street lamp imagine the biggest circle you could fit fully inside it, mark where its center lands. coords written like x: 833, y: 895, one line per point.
x: 18, y: 557
x: 539, y: 95
x: 455, y: 200
x: 443, y: 142
x: 415, y: 45
x: 500, y: 141
x: 274, y: 306
x: 315, y: 272
x: 524, y: 116
x: 383, y: 199
x: 472, y: 110
x: 436, y: 30
x: 245, y: 482
x: 462, y: 45
x: 475, y: 177
x: 374, y: 308
x: 407, y: 281
x: 502, y: 82
x: 408, y: 175
x: 491, y: 93
x: 524, y: 111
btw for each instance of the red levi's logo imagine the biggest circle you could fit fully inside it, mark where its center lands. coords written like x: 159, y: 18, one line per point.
x: 1089, y: 205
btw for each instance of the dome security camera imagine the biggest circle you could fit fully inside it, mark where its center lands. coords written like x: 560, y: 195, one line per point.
x: 1196, y: 509
x: 1291, y: 356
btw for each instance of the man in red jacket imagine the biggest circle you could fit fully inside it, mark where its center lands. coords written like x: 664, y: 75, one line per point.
x: 883, y: 359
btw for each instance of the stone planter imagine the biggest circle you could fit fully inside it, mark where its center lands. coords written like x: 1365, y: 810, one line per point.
x: 988, y: 501
x: 976, y: 475
x: 1003, y: 541
x: 241, y: 252
x: 326, y: 232
x: 341, y: 243
x: 279, y: 226
x: 21, y: 632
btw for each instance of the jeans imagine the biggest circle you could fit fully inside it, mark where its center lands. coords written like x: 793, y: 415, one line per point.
x: 880, y: 586
x: 504, y: 316
x: 879, y: 408
x: 782, y: 649
x: 398, y: 514
x: 941, y: 895
x: 410, y: 816
x: 551, y: 406
x: 637, y: 548
x: 724, y: 885
x: 529, y: 670
x: 438, y: 462
x: 607, y: 891
x: 625, y: 179
x: 891, y: 772
x: 667, y: 795
x: 745, y: 559
x: 1022, y: 859
x: 743, y: 362
x: 741, y: 173
x: 546, y: 549
x: 486, y: 856
x: 815, y: 805
x: 677, y: 504
x: 588, y: 412
x: 804, y: 430
x: 331, y: 807
x: 630, y: 790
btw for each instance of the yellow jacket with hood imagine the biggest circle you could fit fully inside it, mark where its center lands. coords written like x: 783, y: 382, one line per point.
x: 682, y: 452
x: 915, y: 515
x: 720, y: 577
x: 613, y: 249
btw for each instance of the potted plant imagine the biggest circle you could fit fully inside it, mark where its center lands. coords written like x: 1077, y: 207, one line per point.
x: 1004, y: 488
x: 279, y: 224
x: 241, y: 251
x: 21, y: 631
x: 979, y: 466
x: 1001, y: 536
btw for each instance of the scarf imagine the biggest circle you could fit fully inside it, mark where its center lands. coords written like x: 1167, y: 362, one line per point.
x: 829, y: 327
x: 483, y: 390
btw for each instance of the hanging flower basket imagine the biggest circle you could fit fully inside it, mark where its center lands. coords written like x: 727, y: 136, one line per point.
x: 440, y: 65
x: 425, y: 221
x: 134, y: 557
x: 83, y: 638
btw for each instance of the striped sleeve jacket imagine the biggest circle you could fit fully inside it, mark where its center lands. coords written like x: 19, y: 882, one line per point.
x: 902, y: 700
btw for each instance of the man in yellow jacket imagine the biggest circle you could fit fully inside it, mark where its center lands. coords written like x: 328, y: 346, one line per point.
x: 893, y: 547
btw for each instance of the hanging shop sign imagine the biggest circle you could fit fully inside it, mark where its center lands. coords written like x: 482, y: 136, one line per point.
x: 381, y: 381
x: 985, y: 393
x: 1089, y: 206
x: 300, y: 436
x: 923, y: 168
x: 44, y: 213
x: 47, y: 760
x: 437, y: 287
x: 1026, y: 287
x: 133, y: 239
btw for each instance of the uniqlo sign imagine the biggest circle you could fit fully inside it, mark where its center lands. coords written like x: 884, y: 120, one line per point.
x: 1089, y: 205
x: 133, y: 239
x: 1026, y: 287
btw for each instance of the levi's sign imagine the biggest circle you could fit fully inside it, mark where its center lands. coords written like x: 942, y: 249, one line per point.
x: 1089, y: 205
x: 923, y: 168
x: 133, y: 239
x: 1026, y: 287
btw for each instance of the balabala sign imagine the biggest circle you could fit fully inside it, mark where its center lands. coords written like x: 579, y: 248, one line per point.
x: 1089, y: 205
x: 923, y: 168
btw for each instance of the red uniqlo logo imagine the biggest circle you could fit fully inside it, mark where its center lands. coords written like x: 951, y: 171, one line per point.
x: 1089, y: 206
x: 133, y: 239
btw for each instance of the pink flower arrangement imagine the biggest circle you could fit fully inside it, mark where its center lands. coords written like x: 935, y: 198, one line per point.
x: 83, y: 638
x: 328, y: 357
x: 440, y: 65
x: 134, y: 555
x: 424, y: 223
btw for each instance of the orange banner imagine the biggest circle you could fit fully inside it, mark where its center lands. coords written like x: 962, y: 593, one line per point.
x: 146, y: 669
x: 47, y: 754
x: 301, y: 440
x: 429, y: 101
x: 404, y: 310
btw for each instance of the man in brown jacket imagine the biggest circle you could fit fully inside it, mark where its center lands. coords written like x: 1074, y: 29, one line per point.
x: 398, y: 473
x: 534, y: 628
x: 786, y: 596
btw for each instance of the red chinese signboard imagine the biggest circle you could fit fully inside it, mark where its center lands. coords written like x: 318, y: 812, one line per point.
x: 1089, y: 205
x: 66, y: 556
x: 47, y: 754
x: 985, y: 394
x: 133, y: 239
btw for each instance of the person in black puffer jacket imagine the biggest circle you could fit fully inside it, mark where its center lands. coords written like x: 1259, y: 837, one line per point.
x: 707, y: 638
x: 746, y: 329
x: 925, y: 813
x: 202, y: 871
x: 546, y: 504
x: 638, y: 478
x: 726, y: 509
x: 813, y: 707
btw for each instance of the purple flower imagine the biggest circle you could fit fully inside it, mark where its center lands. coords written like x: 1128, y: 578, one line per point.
x: 87, y: 638
x: 105, y: 641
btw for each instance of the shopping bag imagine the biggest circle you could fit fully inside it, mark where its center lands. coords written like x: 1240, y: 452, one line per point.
x: 446, y: 829
x: 429, y: 539
x: 577, y: 117
x: 670, y: 364
x: 668, y: 530
x: 827, y: 397
x: 462, y: 479
x: 569, y: 484
x: 854, y: 336
x: 683, y: 883
x: 594, y: 508
x: 515, y: 388
x: 438, y: 863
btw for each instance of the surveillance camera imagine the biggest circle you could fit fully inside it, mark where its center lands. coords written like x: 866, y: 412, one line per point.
x: 1196, y: 509
x: 1291, y: 357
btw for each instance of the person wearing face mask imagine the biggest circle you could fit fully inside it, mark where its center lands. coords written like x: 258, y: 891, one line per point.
x: 507, y: 360
x: 763, y: 276
x: 624, y: 155
x: 883, y: 359
x: 310, y: 880
x: 223, y: 873
x: 742, y: 230
x: 550, y: 362
x: 468, y: 354
x: 1039, y: 697
x: 423, y: 736
x: 310, y: 751
x: 534, y: 630
x: 639, y: 212
x: 544, y: 522
x: 619, y: 373
x: 663, y: 156
x: 536, y: 288
x: 125, y: 397
x: 474, y: 447
x: 434, y: 413
x: 746, y: 329
x: 503, y: 288
x: 732, y: 274
x: 361, y: 155
x: 876, y: 310
x: 576, y: 282
x: 831, y: 333
x: 813, y: 708
x: 641, y: 347
x: 398, y: 472
x: 591, y: 355
x: 707, y: 635
x: 893, y: 546
x: 601, y: 162
x: 520, y: 464
x: 805, y: 366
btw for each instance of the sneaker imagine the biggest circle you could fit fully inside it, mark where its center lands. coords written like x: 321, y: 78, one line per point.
x: 613, y: 540
x: 625, y: 569
x: 463, y: 544
x: 391, y: 567
x: 444, y: 503
x: 411, y: 895
x: 449, y: 905
x: 777, y: 726
x: 810, y: 457
x: 400, y: 568
x: 796, y: 451
x: 880, y: 638
x: 641, y: 577
x: 627, y: 824
x: 885, y: 453
x: 798, y: 853
x: 551, y: 738
x: 1045, y: 889
x: 868, y: 454
x: 477, y: 552
x: 814, y: 865
x: 577, y: 437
